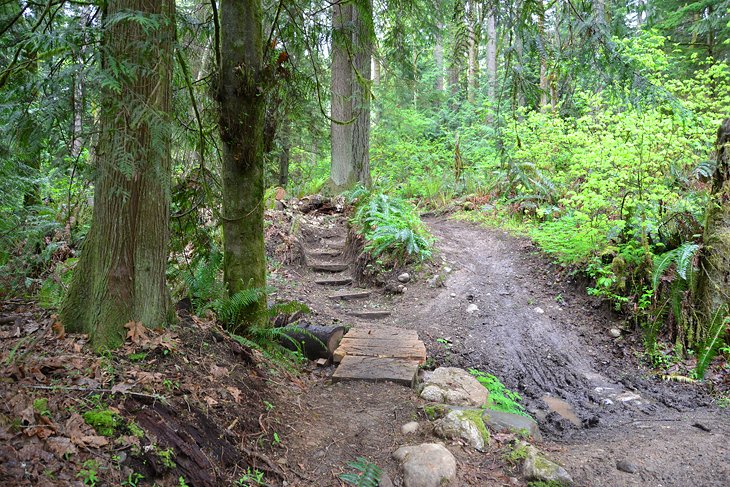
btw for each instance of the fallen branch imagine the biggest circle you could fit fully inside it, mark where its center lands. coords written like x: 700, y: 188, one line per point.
x: 156, y: 397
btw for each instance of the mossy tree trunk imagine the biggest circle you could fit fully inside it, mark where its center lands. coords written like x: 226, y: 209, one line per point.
x: 342, y: 170
x: 712, y: 294
x: 242, y: 105
x: 120, y: 276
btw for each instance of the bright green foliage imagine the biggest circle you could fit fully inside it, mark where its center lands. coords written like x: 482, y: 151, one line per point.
x: 368, y: 474
x: 500, y: 398
x: 104, y: 421
x: 718, y: 329
x: 391, y: 228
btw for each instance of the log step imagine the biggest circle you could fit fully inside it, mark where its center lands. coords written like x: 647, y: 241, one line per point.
x: 335, y: 281
x: 348, y: 295
x: 411, y: 350
x: 329, y: 267
x: 325, y: 252
x: 370, y: 315
x: 372, y: 369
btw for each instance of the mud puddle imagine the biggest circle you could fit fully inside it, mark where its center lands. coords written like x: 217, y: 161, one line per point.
x: 562, y: 408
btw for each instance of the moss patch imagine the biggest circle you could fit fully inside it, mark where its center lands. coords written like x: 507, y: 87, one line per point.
x: 435, y: 411
x: 474, y: 416
x: 40, y: 406
x: 103, y: 421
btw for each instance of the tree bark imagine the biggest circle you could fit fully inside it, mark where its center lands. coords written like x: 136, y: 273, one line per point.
x: 473, y: 66
x: 120, y: 276
x: 362, y: 46
x: 241, y: 104
x: 491, y: 65
x: 342, y: 171
x: 285, y: 138
x: 711, y: 296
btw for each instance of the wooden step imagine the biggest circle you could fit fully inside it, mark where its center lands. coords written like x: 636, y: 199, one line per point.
x: 381, y: 342
x: 324, y: 252
x: 349, y: 295
x: 370, y: 315
x: 328, y: 267
x: 373, y: 369
x: 335, y: 281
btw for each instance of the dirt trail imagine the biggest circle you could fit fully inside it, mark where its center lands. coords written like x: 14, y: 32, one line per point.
x: 545, y: 339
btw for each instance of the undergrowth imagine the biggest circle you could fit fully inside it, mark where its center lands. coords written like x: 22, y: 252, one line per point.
x: 500, y: 398
x: 390, y: 226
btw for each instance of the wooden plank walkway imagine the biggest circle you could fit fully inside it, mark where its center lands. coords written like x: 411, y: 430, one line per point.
x: 379, y: 353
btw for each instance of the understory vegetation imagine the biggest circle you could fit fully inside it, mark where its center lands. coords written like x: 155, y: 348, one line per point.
x: 589, y: 126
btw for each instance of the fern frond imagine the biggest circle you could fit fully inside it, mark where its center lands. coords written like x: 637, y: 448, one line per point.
x: 368, y: 476
x: 682, y: 256
x: 718, y: 328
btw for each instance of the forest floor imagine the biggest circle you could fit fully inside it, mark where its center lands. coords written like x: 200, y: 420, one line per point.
x: 191, y: 403
x: 544, y: 337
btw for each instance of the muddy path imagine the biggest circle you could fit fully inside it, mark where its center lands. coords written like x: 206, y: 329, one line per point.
x: 546, y: 339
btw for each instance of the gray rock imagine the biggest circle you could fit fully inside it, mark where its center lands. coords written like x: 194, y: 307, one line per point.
x: 409, y: 428
x: 614, y: 332
x: 385, y: 481
x: 500, y: 421
x: 626, y: 466
x: 465, y: 424
x: 405, y: 277
x: 539, y: 310
x: 451, y: 385
x: 472, y: 308
x: 537, y: 467
x: 426, y: 465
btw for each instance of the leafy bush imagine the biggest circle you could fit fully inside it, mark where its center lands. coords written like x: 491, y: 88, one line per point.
x: 391, y: 227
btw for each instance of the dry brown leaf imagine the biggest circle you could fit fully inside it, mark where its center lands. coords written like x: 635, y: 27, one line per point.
x: 218, y: 372
x: 137, y: 332
x: 121, y: 388
x: 236, y: 393
x: 280, y: 193
x: 210, y: 401
x: 41, y: 432
x: 58, y: 328
x: 94, y: 441
x: 61, y: 446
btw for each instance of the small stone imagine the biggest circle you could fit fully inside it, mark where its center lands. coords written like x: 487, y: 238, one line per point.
x: 453, y: 295
x: 447, y: 270
x: 465, y: 424
x: 516, y: 423
x: 472, y: 308
x: 426, y: 465
x: 451, y: 385
x: 539, y: 468
x: 409, y: 428
x: 405, y: 277
x: 614, y: 332
x: 607, y: 402
x: 539, y: 310
x: 626, y: 466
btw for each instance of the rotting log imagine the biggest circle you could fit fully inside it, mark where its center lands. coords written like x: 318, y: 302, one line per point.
x: 314, y: 341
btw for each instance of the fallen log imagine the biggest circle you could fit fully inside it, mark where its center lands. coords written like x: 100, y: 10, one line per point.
x: 314, y: 341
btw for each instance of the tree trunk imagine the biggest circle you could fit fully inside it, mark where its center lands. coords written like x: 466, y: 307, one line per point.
x: 362, y: 47
x: 473, y: 67
x: 438, y: 56
x: 240, y: 95
x: 285, y: 137
x: 342, y: 171
x: 491, y: 65
x: 711, y: 295
x: 544, y: 86
x: 120, y: 276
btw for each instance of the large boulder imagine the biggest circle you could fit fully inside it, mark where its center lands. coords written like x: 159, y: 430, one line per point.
x: 514, y: 423
x: 465, y: 424
x: 426, y: 465
x: 538, y: 468
x: 451, y: 385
